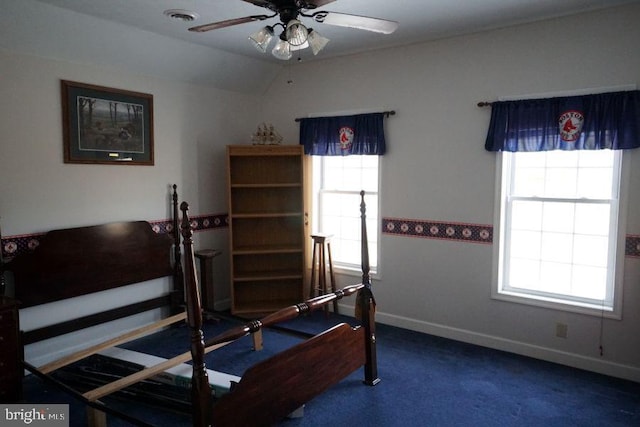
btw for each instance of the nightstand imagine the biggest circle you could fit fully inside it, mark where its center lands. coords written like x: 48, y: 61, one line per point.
x: 10, y: 371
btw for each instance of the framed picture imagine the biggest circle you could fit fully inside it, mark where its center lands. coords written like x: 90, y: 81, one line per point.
x: 103, y: 125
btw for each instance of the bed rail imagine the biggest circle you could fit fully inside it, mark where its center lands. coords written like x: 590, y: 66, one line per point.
x: 282, y: 315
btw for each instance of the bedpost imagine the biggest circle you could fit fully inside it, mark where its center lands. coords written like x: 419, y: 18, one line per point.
x: 200, y: 389
x: 177, y: 298
x: 366, y: 304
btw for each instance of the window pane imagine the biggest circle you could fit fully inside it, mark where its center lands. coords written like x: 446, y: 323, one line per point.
x: 562, y: 159
x: 525, y: 244
x: 557, y: 247
x: 531, y: 160
x: 588, y: 282
x: 591, y: 250
x: 594, y: 183
x: 558, y: 217
x: 561, y: 182
x: 596, y: 158
x: 331, y: 204
x: 523, y: 273
x: 560, y: 248
x: 526, y: 215
x: 555, y: 277
x: 592, y: 219
x: 338, y: 182
x: 529, y: 182
x: 333, y: 178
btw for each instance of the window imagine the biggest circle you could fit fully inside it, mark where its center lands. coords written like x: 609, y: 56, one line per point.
x: 558, y: 229
x: 337, y: 182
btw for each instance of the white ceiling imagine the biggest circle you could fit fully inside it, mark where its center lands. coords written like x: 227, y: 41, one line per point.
x: 419, y: 20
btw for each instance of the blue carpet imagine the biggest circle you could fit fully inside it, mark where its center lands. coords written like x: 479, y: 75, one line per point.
x: 425, y: 381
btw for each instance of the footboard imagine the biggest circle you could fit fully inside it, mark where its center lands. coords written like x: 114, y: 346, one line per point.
x: 272, y: 389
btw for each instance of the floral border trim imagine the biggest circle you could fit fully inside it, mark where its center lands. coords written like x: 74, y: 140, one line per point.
x: 15, y: 245
x: 198, y: 223
x: 632, y: 246
x: 462, y: 232
x: 474, y: 233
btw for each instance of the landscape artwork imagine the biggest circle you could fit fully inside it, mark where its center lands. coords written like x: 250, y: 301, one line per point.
x: 106, y: 126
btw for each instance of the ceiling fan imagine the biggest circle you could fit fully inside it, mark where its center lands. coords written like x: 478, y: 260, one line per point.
x: 295, y: 35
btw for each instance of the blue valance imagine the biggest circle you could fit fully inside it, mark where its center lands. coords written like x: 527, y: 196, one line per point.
x: 587, y: 122
x: 343, y: 135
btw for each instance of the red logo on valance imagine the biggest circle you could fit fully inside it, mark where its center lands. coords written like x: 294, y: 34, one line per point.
x: 570, y: 124
x: 346, y: 137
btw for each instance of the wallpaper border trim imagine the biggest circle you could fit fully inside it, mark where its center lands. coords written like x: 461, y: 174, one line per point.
x: 403, y: 227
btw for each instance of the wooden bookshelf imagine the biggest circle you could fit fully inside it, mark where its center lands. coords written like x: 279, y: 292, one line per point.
x: 268, y: 226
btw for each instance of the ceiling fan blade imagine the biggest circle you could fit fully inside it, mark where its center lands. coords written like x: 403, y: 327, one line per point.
x: 312, y: 4
x: 261, y: 3
x: 228, y: 23
x: 377, y: 25
x: 304, y: 4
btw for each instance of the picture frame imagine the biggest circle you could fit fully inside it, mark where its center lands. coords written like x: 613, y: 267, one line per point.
x: 103, y: 125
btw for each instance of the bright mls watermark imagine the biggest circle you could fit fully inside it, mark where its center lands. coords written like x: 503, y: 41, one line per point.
x: 44, y: 415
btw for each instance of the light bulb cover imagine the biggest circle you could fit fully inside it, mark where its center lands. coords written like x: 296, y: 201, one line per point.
x: 282, y: 50
x: 296, y: 33
x: 261, y: 39
x: 316, y: 41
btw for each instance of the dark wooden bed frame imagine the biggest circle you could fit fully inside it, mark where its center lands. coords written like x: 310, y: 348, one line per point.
x: 85, y: 260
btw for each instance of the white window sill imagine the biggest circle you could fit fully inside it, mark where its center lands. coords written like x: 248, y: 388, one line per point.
x: 557, y: 304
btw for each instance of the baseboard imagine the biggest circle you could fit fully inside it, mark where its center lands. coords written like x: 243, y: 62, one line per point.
x: 543, y: 353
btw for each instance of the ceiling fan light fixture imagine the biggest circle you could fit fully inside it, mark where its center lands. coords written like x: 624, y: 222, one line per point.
x: 316, y: 41
x: 282, y: 50
x: 296, y: 33
x: 261, y: 39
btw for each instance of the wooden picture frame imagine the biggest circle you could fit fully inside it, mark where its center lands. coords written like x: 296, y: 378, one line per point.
x: 104, y: 125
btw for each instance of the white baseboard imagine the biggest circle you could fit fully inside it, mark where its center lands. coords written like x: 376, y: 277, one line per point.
x: 517, y: 347
x: 604, y: 367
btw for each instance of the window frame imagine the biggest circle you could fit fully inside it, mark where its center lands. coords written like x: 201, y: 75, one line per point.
x: 341, y: 267
x: 616, y: 249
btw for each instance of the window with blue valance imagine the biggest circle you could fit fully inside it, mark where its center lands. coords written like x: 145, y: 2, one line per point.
x: 343, y: 135
x: 586, y: 122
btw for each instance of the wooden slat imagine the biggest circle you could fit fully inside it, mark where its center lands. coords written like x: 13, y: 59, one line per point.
x: 105, y: 390
x: 79, y: 355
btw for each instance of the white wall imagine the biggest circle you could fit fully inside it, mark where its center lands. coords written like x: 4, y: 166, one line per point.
x: 437, y: 169
x: 38, y: 192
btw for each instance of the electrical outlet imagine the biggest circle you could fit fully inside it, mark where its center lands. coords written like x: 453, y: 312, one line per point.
x: 561, y: 330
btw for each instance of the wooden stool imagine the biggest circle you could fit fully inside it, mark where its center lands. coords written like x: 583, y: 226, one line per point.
x: 206, y: 279
x: 320, y: 241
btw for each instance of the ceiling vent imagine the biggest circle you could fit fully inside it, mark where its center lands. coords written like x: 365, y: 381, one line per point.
x: 181, y: 15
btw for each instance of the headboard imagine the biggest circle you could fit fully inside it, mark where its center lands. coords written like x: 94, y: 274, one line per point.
x: 84, y: 260
x: 78, y: 261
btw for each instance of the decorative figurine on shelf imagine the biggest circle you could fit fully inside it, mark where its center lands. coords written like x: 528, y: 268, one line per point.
x: 266, y: 135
